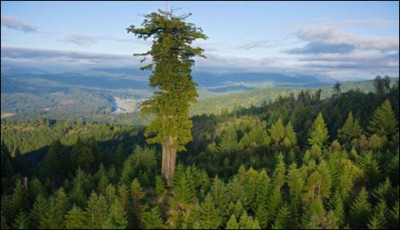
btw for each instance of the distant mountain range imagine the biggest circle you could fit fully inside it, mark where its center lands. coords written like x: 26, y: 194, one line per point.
x: 101, y: 94
x: 35, y: 81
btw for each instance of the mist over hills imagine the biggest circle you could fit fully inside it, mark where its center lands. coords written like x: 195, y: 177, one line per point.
x: 113, y: 94
x: 37, y: 81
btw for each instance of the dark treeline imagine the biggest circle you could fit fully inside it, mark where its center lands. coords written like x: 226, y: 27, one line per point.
x: 297, y: 162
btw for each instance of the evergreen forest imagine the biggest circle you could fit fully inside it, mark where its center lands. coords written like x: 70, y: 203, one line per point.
x: 300, y: 161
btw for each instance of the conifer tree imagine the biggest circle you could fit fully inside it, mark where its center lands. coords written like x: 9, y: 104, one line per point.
x: 160, y: 187
x: 96, y: 211
x: 192, y: 217
x: 176, y: 220
x: 152, y: 219
x: 371, y: 169
x: 360, y: 210
x: 232, y: 223
x: 53, y: 219
x: 228, y: 143
x: 394, y: 215
x: 283, y: 218
x: 209, y: 215
x: 111, y: 193
x: 62, y: 203
x: 339, y: 211
x: 295, y: 182
x: 378, y: 219
x: 290, y: 134
x: 35, y: 189
x: 316, y: 214
x: 350, y: 130
x: 78, y: 197
x: 218, y: 192
x: 138, y: 194
x: 103, y: 180
x: 22, y: 221
x: 383, y: 122
x: 39, y: 207
x: 172, y: 58
x: 277, y: 131
x: 318, y: 133
x: 234, y: 189
x: 116, y: 218
x: 247, y: 222
x: 18, y: 199
x: 123, y: 196
x: 75, y: 219
x: 262, y: 196
x: 275, y: 201
x: 54, y: 156
x: 331, y: 221
x: 278, y: 176
x: 183, y: 189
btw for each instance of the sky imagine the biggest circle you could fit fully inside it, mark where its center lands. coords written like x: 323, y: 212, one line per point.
x: 341, y: 40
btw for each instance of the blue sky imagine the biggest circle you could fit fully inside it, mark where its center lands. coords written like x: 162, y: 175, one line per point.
x: 343, y: 40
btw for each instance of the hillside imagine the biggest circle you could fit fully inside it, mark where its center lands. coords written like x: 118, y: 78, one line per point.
x: 106, y: 95
x: 302, y: 156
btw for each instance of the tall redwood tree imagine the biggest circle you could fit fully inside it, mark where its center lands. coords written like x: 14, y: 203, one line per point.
x: 172, y: 58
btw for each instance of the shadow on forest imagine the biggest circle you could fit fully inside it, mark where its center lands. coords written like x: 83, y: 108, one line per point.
x: 128, y: 141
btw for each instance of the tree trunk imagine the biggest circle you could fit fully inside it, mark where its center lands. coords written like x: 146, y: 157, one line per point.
x: 168, y: 159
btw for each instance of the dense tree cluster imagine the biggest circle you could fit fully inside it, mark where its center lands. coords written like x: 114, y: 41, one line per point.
x: 315, y: 164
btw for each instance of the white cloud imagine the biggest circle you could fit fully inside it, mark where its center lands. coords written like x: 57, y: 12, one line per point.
x: 15, y: 24
x: 79, y: 39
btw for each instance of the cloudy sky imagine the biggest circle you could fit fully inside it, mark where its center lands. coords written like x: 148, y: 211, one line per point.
x: 343, y: 40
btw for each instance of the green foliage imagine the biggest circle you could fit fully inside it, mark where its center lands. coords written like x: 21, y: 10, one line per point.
x: 218, y: 192
x: 277, y: 131
x: 55, y: 155
x: 247, y: 222
x: 137, y: 194
x: 278, y: 178
x: 290, y: 134
x: 378, y: 219
x: 160, y: 187
x: 209, y: 215
x: 382, y: 85
x: 228, y: 143
x: 53, y: 219
x: 152, y: 219
x: 283, y: 218
x: 182, y: 186
x: 40, y: 206
x: 317, y: 190
x: 350, y: 130
x: 75, y: 219
x: 96, y: 211
x: 21, y: 221
x: 371, y: 168
x: 18, y: 199
x: 316, y: 214
x: 141, y: 162
x: 275, y: 201
x: 360, y: 210
x: 116, y: 218
x: 383, y: 121
x: 232, y: 223
x: 318, y: 133
x: 172, y: 58
x: 394, y: 216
